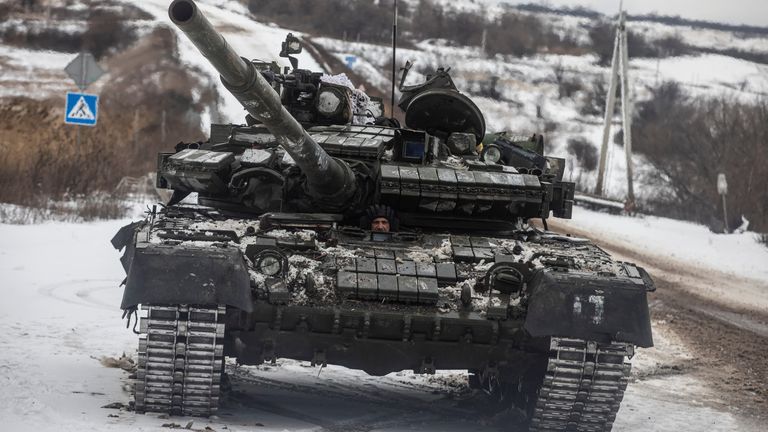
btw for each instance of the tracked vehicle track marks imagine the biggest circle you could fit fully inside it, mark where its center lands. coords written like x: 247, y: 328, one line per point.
x: 181, y: 353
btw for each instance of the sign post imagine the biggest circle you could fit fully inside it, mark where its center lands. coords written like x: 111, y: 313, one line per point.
x: 82, y: 108
x: 722, y: 189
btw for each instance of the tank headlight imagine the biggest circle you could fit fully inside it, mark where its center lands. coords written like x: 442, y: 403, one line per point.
x: 491, y: 154
x: 330, y: 102
x: 270, y: 265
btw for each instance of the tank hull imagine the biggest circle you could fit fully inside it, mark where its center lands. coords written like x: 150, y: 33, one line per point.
x: 381, y: 303
x: 309, y: 313
x: 375, y: 342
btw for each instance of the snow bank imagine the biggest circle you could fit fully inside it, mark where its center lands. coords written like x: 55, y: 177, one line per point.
x: 737, y: 254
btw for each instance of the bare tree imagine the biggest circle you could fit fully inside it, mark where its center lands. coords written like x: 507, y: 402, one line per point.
x: 691, y: 140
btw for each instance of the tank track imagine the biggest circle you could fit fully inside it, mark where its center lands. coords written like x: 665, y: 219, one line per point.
x: 583, y: 386
x: 181, y: 355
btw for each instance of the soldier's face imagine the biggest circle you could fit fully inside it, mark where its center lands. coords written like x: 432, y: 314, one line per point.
x: 380, y: 224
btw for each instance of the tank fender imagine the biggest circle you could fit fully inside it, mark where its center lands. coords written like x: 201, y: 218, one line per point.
x: 588, y: 306
x: 177, y: 274
x: 124, y: 239
x: 125, y: 235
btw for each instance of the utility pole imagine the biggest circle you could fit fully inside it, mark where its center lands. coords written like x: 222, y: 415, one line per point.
x: 626, y: 109
x: 619, y: 73
x: 610, y: 105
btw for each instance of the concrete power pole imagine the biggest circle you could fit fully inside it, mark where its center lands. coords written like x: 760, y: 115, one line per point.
x: 626, y: 110
x: 610, y: 105
x: 619, y: 74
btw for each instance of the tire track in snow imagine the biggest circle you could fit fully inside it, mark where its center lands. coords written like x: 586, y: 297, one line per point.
x: 81, y: 292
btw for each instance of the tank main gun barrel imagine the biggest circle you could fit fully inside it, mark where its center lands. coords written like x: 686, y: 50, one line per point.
x: 327, y: 178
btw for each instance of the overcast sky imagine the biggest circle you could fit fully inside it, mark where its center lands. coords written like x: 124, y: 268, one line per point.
x: 752, y: 12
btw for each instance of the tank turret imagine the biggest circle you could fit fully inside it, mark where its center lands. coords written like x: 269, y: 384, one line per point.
x: 327, y: 178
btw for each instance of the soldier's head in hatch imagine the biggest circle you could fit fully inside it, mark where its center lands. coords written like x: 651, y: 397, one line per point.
x: 380, y: 224
x: 380, y: 218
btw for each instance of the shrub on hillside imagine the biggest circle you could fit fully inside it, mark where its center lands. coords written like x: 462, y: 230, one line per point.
x: 41, y: 38
x: 107, y: 33
x: 763, y: 238
x: 603, y: 36
x: 691, y: 140
x: 671, y: 46
x: 5, y: 11
x: 594, y: 99
x: 745, y: 30
x: 567, y: 84
x: 618, y: 137
x: 485, y: 88
x: 578, y: 11
x: 521, y: 34
x: 107, y: 28
x: 366, y: 20
x: 585, y: 153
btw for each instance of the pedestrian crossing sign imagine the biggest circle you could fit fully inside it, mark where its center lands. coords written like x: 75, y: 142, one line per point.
x: 82, y: 109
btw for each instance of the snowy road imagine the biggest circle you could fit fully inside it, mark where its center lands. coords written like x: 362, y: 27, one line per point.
x: 60, y: 315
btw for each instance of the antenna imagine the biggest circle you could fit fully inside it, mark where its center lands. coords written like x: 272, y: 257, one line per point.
x: 394, y: 61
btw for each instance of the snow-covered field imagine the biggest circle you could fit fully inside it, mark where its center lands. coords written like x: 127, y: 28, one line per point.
x: 60, y: 317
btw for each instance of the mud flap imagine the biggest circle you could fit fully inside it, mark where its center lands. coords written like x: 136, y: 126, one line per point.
x: 124, y: 239
x: 588, y: 306
x: 125, y: 235
x: 161, y: 274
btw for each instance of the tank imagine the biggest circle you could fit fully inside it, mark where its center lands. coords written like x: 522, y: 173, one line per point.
x: 325, y: 232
